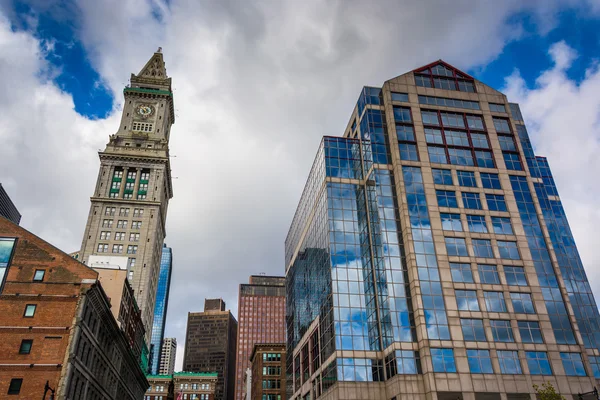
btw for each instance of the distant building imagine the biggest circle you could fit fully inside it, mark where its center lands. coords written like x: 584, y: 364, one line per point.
x: 7, y: 207
x: 188, y: 385
x: 247, y: 384
x: 160, y: 309
x: 210, y: 343
x: 268, y: 371
x: 261, y: 319
x: 168, y: 354
x: 58, y: 327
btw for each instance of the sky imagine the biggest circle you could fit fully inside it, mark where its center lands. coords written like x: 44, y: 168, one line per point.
x: 256, y: 85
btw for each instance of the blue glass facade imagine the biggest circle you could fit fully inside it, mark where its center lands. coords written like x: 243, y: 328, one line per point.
x: 160, y: 309
x: 428, y: 236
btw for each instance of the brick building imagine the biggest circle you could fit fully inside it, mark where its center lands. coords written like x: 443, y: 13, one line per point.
x: 268, y: 371
x: 57, y: 326
x: 182, y: 385
x: 161, y: 387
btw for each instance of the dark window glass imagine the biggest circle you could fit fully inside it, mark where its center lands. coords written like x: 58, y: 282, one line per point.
x: 573, y: 364
x: 408, y: 152
x: 515, y: 276
x: 465, y: 86
x: 461, y: 157
x: 480, y: 141
x: 483, y: 248
x: 501, y: 330
x: 595, y: 363
x: 495, y: 202
x: 434, y: 136
x: 488, y: 274
x: 538, y: 363
x: 461, y: 272
x: 442, y: 176
x: 446, y: 198
x: 501, y: 125
x: 479, y: 361
x: 405, y: 132
x: 399, y: 97
x: 466, y: 178
x: 485, y: 159
x: 437, y: 155
x: 512, y: 161
x: 443, y: 83
x: 530, y: 332
x: 494, y: 301
x: 522, y: 303
x: 451, y: 222
x: 423, y: 81
x: 475, y: 122
x: 25, y: 346
x: 402, y: 114
x: 509, y: 362
x: 473, y: 330
x: 15, y: 386
x: 497, y: 107
x: 477, y: 223
x: 452, y: 120
x: 507, y: 143
x: 456, y: 247
x: 490, y: 181
x: 467, y: 300
x: 443, y: 360
x: 430, y: 117
x: 508, y: 250
x: 457, y: 138
x: 471, y: 201
x: 502, y: 225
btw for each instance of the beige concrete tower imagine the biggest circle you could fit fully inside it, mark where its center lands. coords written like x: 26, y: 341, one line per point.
x: 126, y: 225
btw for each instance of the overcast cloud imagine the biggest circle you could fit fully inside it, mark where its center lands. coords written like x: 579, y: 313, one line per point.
x: 257, y: 83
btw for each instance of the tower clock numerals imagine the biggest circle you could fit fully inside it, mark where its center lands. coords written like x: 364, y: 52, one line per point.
x: 145, y: 110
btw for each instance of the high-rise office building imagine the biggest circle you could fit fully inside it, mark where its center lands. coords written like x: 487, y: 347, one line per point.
x: 261, y: 319
x: 128, y: 209
x: 210, y: 342
x: 168, y: 354
x: 8, y: 209
x: 430, y: 256
x: 160, y: 308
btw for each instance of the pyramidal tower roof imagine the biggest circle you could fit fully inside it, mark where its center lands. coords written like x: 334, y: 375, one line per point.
x: 153, y: 73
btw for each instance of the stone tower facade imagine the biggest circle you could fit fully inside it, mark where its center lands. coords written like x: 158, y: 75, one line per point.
x: 126, y: 223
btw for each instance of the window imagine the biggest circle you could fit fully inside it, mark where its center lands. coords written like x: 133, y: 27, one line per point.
x: 138, y: 212
x: 107, y: 223
x: 501, y: 330
x: 488, y: 274
x: 119, y: 235
x: 129, y: 185
x: 434, y: 136
x: 497, y: 107
x: 483, y: 248
x: 595, y: 363
x: 29, y: 310
x: 136, y: 224
x: 530, y: 332
x: 460, y: 157
x: 508, y: 250
x: 461, y: 272
x: 442, y: 176
x: 445, y: 102
x: 408, y: 152
x: 457, y: 138
x: 467, y: 300
x: 451, y: 222
x: 405, y: 133
x: 134, y: 237
x: 490, y: 181
x: 430, y: 117
x: 446, y: 198
x: 109, y: 211
x: 471, y: 201
x: 522, y: 303
x: 103, y: 248
x: 38, y: 276
x: 104, y: 235
x: 495, y: 202
x: 121, y: 224
x: 502, y: 225
x: 501, y: 125
x: 512, y: 161
x: 131, y: 262
x: 402, y: 114
x: 117, y: 248
x: 142, y: 127
x: 145, y: 176
x: 509, y: 362
x: 456, y: 247
x: 485, y: 159
x: 132, y: 249
x: 466, y: 178
x: 480, y: 141
x: 515, y: 276
x: 443, y: 360
x: 15, y: 386
x: 407, y: 362
x: 538, y: 363
x: 25, y: 346
x: 477, y: 223
x: 480, y: 362
x: 437, y: 155
x: 494, y: 301
x: 472, y: 330
x: 124, y: 212
x: 573, y: 364
x: 399, y: 97
x: 507, y: 143
x: 454, y: 120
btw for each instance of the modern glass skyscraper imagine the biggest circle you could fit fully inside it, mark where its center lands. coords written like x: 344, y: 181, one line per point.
x: 430, y: 255
x: 160, y: 308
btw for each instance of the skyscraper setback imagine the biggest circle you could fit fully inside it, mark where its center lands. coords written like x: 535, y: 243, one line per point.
x: 160, y: 309
x: 430, y: 255
x: 261, y: 319
x: 128, y: 212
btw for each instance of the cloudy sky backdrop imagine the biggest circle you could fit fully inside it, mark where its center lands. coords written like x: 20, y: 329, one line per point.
x: 257, y: 83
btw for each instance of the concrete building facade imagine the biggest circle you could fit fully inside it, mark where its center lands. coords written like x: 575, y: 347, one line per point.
x: 267, y: 362
x: 128, y: 209
x: 168, y: 355
x: 430, y: 256
x: 261, y: 319
x: 210, y: 344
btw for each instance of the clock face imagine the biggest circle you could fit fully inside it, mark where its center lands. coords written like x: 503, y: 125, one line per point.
x: 145, y: 110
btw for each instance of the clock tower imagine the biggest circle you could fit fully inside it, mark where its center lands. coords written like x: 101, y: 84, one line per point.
x: 126, y: 225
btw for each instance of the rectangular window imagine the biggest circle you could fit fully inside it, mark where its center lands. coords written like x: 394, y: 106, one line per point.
x: 446, y: 198
x: 515, y: 276
x: 509, y: 362
x: 490, y: 181
x: 502, y: 225
x: 472, y: 330
x: 477, y: 223
x: 142, y: 127
x: 134, y: 237
x: 457, y: 138
x: 407, y: 362
x: 466, y: 178
x: 442, y: 176
x: 402, y: 114
x: 445, y: 102
x: 124, y: 212
x: 488, y: 274
x: 423, y: 81
x: 403, y: 97
x: 483, y: 248
x: 495, y: 202
x: 131, y: 262
x: 485, y: 159
x: 25, y: 346
x: 456, y: 247
x: 443, y: 360
x: 104, y: 235
x: 434, y: 136
x: 512, y: 161
x: 103, y: 248
x: 120, y: 235
x: 405, y: 133
x: 121, y: 224
x: 29, y: 310
x: 39, y: 274
x: 451, y: 222
x: 480, y: 141
x: 522, y: 303
x: 467, y: 300
x: 471, y: 201
x: 138, y: 212
x: 117, y: 248
x: 480, y: 362
x: 15, y: 386
x: 132, y: 249
x: 408, y: 152
x: 430, y: 118
x: 595, y: 363
x: 538, y: 363
x: 461, y: 272
x: 494, y: 301
x: 453, y: 120
x: 508, y: 250
x: 501, y: 125
x: 507, y: 143
x: 136, y: 224
x: 530, y: 332
x: 109, y: 211
x: 461, y: 157
x: 502, y: 331
x: 107, y: 223
x: 437, y: 155
x: 573, y: 364
x: 497, y: 108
